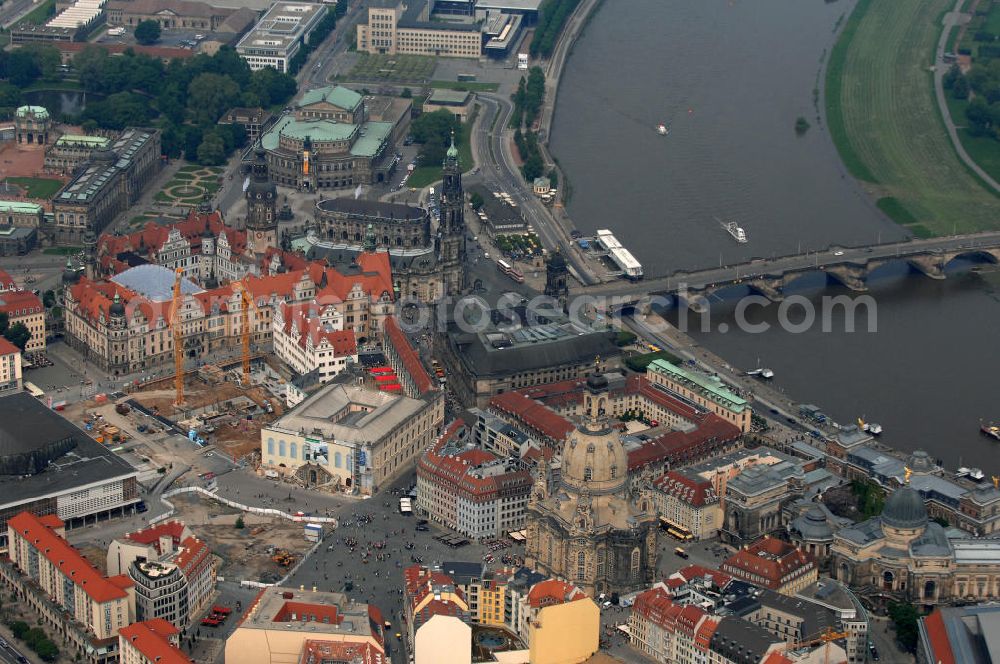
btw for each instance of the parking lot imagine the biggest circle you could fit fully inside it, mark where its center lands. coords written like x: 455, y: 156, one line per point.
x: 168, y: 38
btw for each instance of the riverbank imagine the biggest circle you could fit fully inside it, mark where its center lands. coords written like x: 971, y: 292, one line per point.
x: 884, y: 119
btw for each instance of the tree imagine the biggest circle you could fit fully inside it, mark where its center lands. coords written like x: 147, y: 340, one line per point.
x: 10, y: 96
x: 904, y: 617
x: 270, y: 87
x: 18, y: 335
x: 147, y: 32
x: 120, y: 110
x: 960, y: 88
x: 407, y: 93
x: 978, y: 115
x: 476, y: 200
x: 533, y: 167
x: 49, y: 298
x: 212, y: 150
x: 209, y: 95
x: 433, y: 132
x: 22, y: 70
x: 239, y: 522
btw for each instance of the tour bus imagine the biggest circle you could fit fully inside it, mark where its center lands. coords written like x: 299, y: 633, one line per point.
x: 676, y: 531
x: 510, y: 270
x: 32, y: 389
x: 405, y: 506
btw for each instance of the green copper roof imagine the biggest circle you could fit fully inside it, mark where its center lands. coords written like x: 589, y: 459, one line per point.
x: 316, y: 130
x: 375, y: 134
x: 81, y: 139
x: 39, y: 111
x: 452, y: 150
x: 709, y: 386
x: 19, y: 207
x: 335, y: 94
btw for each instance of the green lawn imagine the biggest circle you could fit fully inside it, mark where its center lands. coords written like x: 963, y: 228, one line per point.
x: 992, y: 22
x: 62, y: 251
x: 884, y: 119
x: 40, y: 188
x: 425, y: 175
x: 40, y: 14
x: 392, y: 67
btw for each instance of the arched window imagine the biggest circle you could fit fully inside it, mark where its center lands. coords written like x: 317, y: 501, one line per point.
x: 281, y: 448
x: 336, y: 459
x: 588, y: 474
x: 635, y: 564
x: 270, y: 446
x: 929, y: 589
x: 294, y: 450
x: 581, y: 566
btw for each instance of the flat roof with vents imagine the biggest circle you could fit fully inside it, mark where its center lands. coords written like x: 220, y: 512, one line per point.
x: 280, y: 29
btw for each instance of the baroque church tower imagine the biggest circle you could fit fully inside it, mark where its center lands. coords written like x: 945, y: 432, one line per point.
x: 452, y: 225
x: 262, y: 202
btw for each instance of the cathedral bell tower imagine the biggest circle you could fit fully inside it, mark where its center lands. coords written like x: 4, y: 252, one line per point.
x: 452, y: 225
x: 557, y: 278
x: 262, y: 201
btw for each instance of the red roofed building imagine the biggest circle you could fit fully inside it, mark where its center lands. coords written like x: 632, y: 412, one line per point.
x: 134, y: 336
x: 560, y: 623
x: 308, y: 338
x: 174, y: 572
x: 10, y: 367
x: 689, y: 502
x: 669, y: 632
x: 471, y: 490
x: 285, y: 625
x: 7, y: 282
x: 697, y: 573
x: 772, y: 563
x: 52, y: 577
x: 403, y: 357
x: 150, y: 642
x: 428, y: 592
x: 26, y: 308
x: 683, y: 433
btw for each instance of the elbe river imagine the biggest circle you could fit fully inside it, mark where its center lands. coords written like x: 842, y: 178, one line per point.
x: 729, y: 78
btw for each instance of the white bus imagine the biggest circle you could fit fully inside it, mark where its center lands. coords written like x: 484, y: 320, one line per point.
x: 405, y: 506
x: 33, y: 390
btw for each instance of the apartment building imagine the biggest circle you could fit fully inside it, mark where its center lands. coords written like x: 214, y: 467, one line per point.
x: 150, y: 642
x: 702, y: 389
x: 311, y: 338
x: 26, y: 308
x: 10, y: 368
x: 69, y: 594
x: 395, y: 27
x: 279, y: 34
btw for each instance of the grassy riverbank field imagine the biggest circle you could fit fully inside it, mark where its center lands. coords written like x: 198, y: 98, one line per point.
x: 884, y: 120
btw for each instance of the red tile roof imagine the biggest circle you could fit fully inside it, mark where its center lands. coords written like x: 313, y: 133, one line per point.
x: 68, y: 560
x: 778, y: 657
x: 318, y: 650
x: 533, y: 415
x: 552, y: 591
x: 193, y: 554
x: 693, y: 491
x: 161, y: 52
x: 306, y: 612
x: 937, y: 634
x: 395, y: 337
x: 304, y: 319
x: 7, y: 282
x: 454, y: 472
x: 52, y: 521
x: 691, y: 572
x: 770, y: 559
x: 7, y: 348
x: 149, y: 639
x: 173, y: 529
x: 711, y: 434
x: 20, y: 303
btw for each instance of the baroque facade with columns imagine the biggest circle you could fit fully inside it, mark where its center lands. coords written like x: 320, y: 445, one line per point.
x: 589, y: 529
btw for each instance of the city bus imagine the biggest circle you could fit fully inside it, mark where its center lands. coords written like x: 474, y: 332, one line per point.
x: 676, y: 531
x: 510, y: 270
x: 33, y: 390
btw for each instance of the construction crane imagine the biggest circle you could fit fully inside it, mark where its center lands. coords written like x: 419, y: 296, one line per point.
x: 246, y: 301
x: 825, y: 637
x: 175, y: 327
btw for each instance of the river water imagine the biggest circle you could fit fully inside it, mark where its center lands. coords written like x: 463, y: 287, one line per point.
x: 730, y: 77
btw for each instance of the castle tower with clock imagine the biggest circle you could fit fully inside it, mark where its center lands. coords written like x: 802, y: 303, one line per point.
x: 262, y: 202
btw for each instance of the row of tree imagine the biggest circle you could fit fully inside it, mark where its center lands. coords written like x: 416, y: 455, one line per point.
x: 552, y: 15
x: 528, y: 98
x: 531, y: 154
x: 36, y: 639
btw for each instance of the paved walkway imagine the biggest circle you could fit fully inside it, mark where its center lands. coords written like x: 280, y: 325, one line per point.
x: 950, y: 20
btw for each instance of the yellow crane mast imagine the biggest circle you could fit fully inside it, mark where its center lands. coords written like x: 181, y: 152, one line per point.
x: 246, y: 302
x: 825, y: 638
x: 175, y: 306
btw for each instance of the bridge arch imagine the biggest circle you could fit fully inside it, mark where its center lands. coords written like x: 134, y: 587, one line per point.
x: 811, y: 278
x: 991, y: 257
